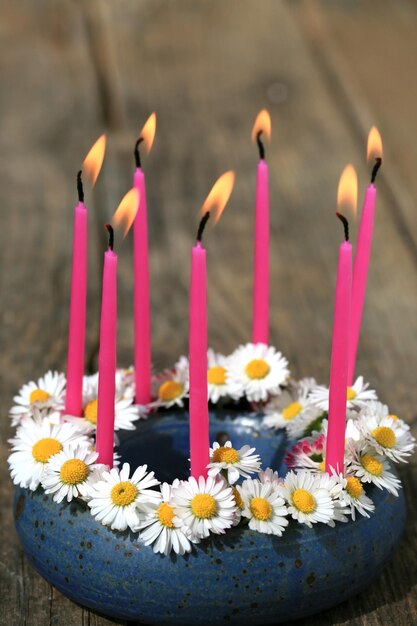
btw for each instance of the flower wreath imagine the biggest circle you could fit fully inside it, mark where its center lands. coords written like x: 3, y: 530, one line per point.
x: 55, y: 452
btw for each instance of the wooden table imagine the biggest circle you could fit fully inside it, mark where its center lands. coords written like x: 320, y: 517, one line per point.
x: 326, y: 71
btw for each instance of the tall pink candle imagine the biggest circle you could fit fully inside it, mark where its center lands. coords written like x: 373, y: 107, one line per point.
x: 107, y: 358
x: 78, y: 305
x: 360, y: 270
x: 260, y: 304
x: 199, y: 417
x: 260, y: 321
x: 335, y: 449
x: 142, y: 319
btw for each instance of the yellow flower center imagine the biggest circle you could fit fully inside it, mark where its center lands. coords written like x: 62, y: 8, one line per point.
x: 350, y: 393
x: 225, y: 455
x: 165, y: 515
x: 238, y: 498
x: 90, y: 411
x: 394, y: 417
x: 73, y: 472
x: 261, y: 509
x: 322, y: 466
x: 38, y: 395
x: 257, y: 369
x: 204, y: 506
x: 354, y: 487
x: 303, y: 500
x: 123, y: 493
x: 385, y: 436
x: 216, y: 375
x: 45, y: 448
x: 291, y: 411
x: 372, y: 465
x: 170, y: 390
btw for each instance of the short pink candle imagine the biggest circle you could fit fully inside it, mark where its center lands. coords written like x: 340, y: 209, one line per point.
x: 260, y: 327
x: 199, y: 417
x: 107, y: 358
x: 78, y: 304
x: 142, y: 319
x: 335, y: 449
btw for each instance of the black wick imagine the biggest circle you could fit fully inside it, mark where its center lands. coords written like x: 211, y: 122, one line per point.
x: 378, y: 163
x: 260, y: 144
x: 345, y: 225
x: 111, y: 235
x: 202, y: 225
x: 80, y: 187
x: 137, y: 152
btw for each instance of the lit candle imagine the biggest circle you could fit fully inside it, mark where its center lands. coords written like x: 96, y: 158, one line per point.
x: 124, y: 216
x: 363, y: 251
x: 260, y: 319
x: 199, y: 417
x: 335, y: 448
x: 142, y: 320
x: 78, y: 299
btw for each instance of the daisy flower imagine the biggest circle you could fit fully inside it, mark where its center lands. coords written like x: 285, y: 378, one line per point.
x: 119, y: 501
x: 386, y: 434
x: 125, y: 411
x: 370, y: 467
x: 309, y: 422
x: 158, y: 527
x: 334, y: 485
x: 353, y: 497
x: 357, y: 396
x: 264, y: 507
x: 47, y: 395
x: 217, y: 376
x: 269, y: 476
x: 257, y: 370
x: 66, y: 473
x: 308, y: 500
x: 204, y: 506
x: 125, y: 382
x: 290, y: 404
x: 307, y: 454
x: 170, y: 387
x: 34, y: 445
x: 240, y: 505
x: 233, y: 463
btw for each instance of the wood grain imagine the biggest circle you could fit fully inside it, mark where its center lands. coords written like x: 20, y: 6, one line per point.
x: 206, y: 68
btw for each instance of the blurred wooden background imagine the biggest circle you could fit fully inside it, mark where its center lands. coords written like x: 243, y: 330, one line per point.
x: 326, y: 71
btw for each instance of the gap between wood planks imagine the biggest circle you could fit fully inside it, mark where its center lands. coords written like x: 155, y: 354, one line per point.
x: 342, y: 86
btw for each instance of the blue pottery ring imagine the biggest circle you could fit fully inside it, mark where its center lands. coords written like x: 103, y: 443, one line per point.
x: 243, y: 577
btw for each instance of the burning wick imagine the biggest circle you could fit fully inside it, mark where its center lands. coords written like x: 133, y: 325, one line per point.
x: 345, y: 223
x: 261, y: 146
x: 375, y: 169
x: 137, y: 152
x: 111, y: 235
x: 80, y: 187
x: 202, y: 225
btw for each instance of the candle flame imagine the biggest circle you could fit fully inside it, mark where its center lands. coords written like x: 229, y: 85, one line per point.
x: 219, y: 195
x: 94, y: 159
x: 125, y: 213
x: 374, y: 149
x: 347, y: 191
x: 262, y: 124
x: 147, y: 134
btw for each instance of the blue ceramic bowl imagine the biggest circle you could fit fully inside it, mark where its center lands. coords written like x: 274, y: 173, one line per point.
x: 243, y: 577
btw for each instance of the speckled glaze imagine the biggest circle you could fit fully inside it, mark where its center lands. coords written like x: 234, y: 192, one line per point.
x: 242, y: 577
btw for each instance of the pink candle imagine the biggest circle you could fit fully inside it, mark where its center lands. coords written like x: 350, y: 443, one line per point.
x: 363, y: 252
x: 260, y: 318
x: 199, y: 418
x: 107, y: 357
x: 78, y: 299
x: 335, y: 449
x: 78, y: 303
x: 142, y: 319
